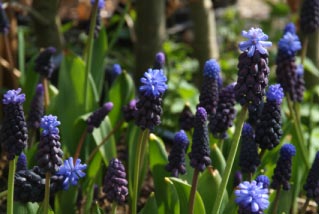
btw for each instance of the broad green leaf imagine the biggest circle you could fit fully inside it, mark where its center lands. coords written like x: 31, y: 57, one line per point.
x: 150, y: 206
x: 310, y: 67
x: 25, y: 208
x: 65, y: 201
x: 94, y: 166
x: 218, y: 160
x: 41, y: 209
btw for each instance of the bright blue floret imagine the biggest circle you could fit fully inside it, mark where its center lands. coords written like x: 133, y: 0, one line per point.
x: 289, y: 43
x: 211, y: 69
x: 154, y: 83
x: 13, y: 97
x: 100, y: 5
x: 256, y: 41
x: 252, y: 196
x: 117, y: 70
x: 263, y: 179
x: 247, y: 130
x: 288, y: 150
x: 181, y: 138
x: 275, y: 93
x: 49, y: 125
x: 71, y: 172
x: 291, y: 28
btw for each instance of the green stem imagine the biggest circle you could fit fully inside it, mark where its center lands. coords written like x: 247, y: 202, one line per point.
x: 230, y: 160
x: 45, y: 84
x: 142, y: 141
x: 3, y: 193
x: 304, y: 208
x: 276, y: 200
x: 193, y: 192
x: 89, y: 53
x: 80, y: 144
x: 10, y: 198
x: 220, y: 144
x: 114, y: 206
x: 46, y: 193
x: 21, y: 52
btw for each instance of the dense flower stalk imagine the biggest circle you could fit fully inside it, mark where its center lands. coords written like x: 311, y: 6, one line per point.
x: 312, y: 183
x: 96, y: 118
x: 37, y: 108
x: 115, y: 183
x: 159, y: 61
x: 282, y: 172
x: 14, y: 133
x: 255, y: 114
x: 129, y: 110
x: 176, y: 158
x: 225, y: 114
x: 4, y: 23
x: 300, y: 83
x: 268, y: 128
x: 309, y: 16
x: 200, y: 153
x: 44, y: 64
x: 186, y: 118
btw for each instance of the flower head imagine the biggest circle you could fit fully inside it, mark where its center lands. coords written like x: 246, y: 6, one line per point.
x: 71, y: 172
x: 289, y: 43
x: 291, y: 28
x: 263, y: 179
x: 13, y: 97
x: 211, y: 69
x: 100, y: 4
x: 49, y: 125
x: 160, y: 58
x: 154, y: 83
x: 275, y: 93
x: 252, y: 196
x: 288, y: 150
x: 256, y: 41
x: 117, y: 70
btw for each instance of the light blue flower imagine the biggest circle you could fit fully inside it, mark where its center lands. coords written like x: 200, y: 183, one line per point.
x: 289, y: 43
x: 71, y: 172
x: 49, y: 125
x: 13, y: 97
x: 211, y: 69
x: 256, y: 41
x: 100, y: 4
x: 153, y: 83
x: 252, y: 196
x: 275, y: 93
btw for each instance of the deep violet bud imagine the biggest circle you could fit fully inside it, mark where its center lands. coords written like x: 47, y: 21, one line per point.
x: 13, y: 133
x: 22, y: 162
x: 96, y: 118
x: 252, y: 197
x: 289, y: 44
x: 176, y: 158
x: 248, y: 157
x: 153, y: 83
x: 309, y: 16
x: 44, y: 64
x: 37, y: 108
x: 71, y: 172
x: 4, y: 23
x: 275, y: 93
x: 49, y: 154
x: 200, y: 153
x: 290, y: 27
x: 300, y: 84
x: 115, y: 183
x: 159, y: 60
x: 312, y: 183
x: 282, y: 172
x: 100, y: 4
x: 225, y: 114
x: 186, y: 118
x: 257, y: 40
x: 263, y: 179
x: 129, y: 110
x: 238, y: 178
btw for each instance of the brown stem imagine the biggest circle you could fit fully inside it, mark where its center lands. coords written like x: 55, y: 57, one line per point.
x: 193, y: 192
x: 80, y: 144
x: 304, y: 208
x: 46, y: 93
x: 276, y: 199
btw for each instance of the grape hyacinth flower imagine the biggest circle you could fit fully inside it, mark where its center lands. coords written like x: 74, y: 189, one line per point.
x: 44, y: 64
x: 14, y: 132
x: 49, y: 154
x: 309, y: 16
x: 100, y: 6
x: 129, y: 110
x: 268, y: 128
x: 252, y: 197
x: 253, y: 69
x: 176, y: 158
x: 290, y: 27
x: 96, y: 118
x: 263, y: 179
x: 149, y: 106
x: 225, y: 114
x: 248, y: 156
x: 4, y: 23
x: 186, y: 118
x: 200, y: 153
x: 300, y: 83
x: 282, y: 172
x: 22, y: 162
x: 159, y: 61
x: 208, y: 97
x: 37, y: 108
x: 71, y: 172
x: 312, y: 183
x: 115, y: 183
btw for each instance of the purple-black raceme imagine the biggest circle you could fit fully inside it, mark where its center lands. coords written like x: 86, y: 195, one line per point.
x: 282, y: 172
x: 159, y: 61
x: 44, y: 64
x: 4, y: 23
x: 186, y: 118
x: 96, y: 118
x: 37, y: 108
x: 268, y: 128
x: 176, y: 158
x: 312, y: 183
x: 300, y: 83
x: 200, y: 153
x: 129, y: 110
x: 14, y: 132
x: 309, y: 16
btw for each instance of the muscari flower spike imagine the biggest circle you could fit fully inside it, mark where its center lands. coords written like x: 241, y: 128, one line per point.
x: 275, y: 93
x: 290, y: 27
x: 186, y: 118
x: 100, y: 4
x: 257, y: 40
x: 49, y: 124
x: 300, y: 83
x: 37, y: 108
x: 71, y: 172
x: 211, y: 69
x: 153, y: 83
x: 309, y: 16
x: 13, y: 97
x: 312, y: 183
x: 44, y: 62
x: 252, y: 197
x: 96, y: 118
x: 289, y: 44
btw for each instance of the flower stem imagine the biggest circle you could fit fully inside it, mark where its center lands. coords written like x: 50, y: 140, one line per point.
x: 114, y: 206
x: 10, y: 197
x: 46, y: 193
x: 220, y: 144
x: 193, y: 192
x: 276, y: 200
x: 3, y: 193
x: 80, y: 144
x: 46, y: 93
x: 89, y: 53
x: 138, y: 157
x: 304, y: 208
x: 230, y: 159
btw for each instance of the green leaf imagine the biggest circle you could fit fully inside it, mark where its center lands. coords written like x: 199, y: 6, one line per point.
x: 96, y: 209
x: 150, y: 206
x: 95, y: 166
x: 183, y: 190
x: 309, y: 66
x: 218, y: 160
x: 65, y: 201
x: 25, y: 208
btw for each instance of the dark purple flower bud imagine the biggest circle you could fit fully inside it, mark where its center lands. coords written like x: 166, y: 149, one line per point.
x: 300, y: 83
x: 37, y: 108
x: 248, y: 157
x: 14, y: 132
x: 200, y: 154
x: 4, y: 23
x: 22, y: 162
x: 238, y: 178
x: 309, y: 16
x: 268, y: 128
x: 312, y: 183
x: 186, y: 118
x: 49, y: 154
x: 226, y: 112
x: 129, y: 110
x: 176, y: 158
x: 159, y: 61
x: 96, y: 118
x: 282, y: 172
x: 44, y: 64
x: 208, y: 97
x: 115, y: 183
x: 290, y: 27
x: 263, y: 179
